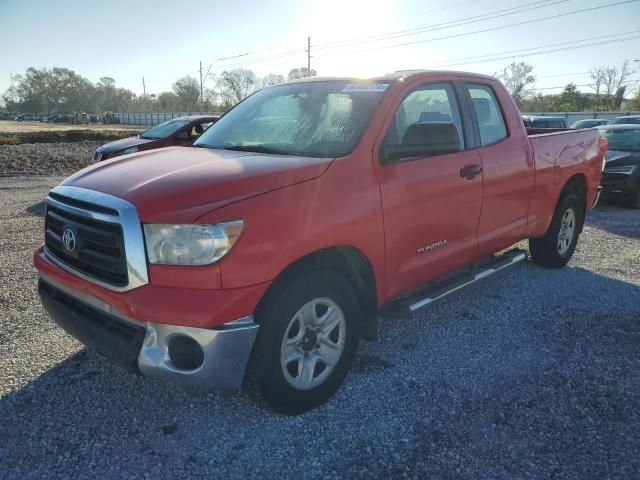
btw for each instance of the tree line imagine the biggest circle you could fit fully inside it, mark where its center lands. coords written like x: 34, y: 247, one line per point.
x: 610, y: 85
x: 61, y: 90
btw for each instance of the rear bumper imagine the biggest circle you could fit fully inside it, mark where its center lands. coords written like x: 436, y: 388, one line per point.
x: 217, y: 357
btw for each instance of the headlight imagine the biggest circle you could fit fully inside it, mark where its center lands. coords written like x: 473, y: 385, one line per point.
x: 627, y: 169
x: 190, y: 244
x: 128, y: 150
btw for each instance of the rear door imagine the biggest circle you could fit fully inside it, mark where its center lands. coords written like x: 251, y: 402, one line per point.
x: 507, y: 169
x: 430, y: 210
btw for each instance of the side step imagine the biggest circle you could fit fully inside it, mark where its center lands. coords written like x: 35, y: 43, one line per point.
x: 422, y: 297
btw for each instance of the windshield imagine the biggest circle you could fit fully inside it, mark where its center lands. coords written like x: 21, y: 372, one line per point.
x: 627, y: 139
x: 315, y: 119
x: 625, y: 120
x: 163, y: 130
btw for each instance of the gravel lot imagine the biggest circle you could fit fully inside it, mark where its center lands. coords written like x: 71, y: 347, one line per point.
x: 532, y: 373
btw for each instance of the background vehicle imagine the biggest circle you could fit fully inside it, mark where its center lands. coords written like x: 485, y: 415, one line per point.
x: 532, y: 121
x: 589, y: 123
x: 626, y: 120
x: 26, y: 117
x: 175, y: 132
x: 621, y: 177
x: 301, y: 213
x: 110, y: 118
x: 79, y: 118
x: 60, y: 118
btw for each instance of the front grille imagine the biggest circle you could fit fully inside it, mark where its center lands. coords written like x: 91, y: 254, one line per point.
x: 98, y: 248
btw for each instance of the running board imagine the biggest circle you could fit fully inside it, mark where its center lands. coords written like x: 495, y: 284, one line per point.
x: 424, y: 296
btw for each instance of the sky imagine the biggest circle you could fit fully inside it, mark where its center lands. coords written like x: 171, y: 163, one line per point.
x: 162, y: 40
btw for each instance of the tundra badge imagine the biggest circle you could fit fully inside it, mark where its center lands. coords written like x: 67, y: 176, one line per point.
x: 433, y: 246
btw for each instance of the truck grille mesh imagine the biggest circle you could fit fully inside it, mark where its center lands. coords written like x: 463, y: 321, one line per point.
x: 98, y: 246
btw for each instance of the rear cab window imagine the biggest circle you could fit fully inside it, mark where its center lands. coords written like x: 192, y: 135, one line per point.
x: 491, y: 124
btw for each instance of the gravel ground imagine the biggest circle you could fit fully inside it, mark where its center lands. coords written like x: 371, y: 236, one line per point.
x: 532, y: 373
x: 46, y: 158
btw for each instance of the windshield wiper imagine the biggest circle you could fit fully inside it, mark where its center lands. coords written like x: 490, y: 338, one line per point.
x: 257, y: 149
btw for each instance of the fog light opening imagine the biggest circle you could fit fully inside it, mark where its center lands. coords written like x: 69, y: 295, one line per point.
x: 185, y: 353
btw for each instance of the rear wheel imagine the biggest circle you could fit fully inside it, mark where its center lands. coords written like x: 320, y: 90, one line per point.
x: 556, y: 247
x: 307, y: 341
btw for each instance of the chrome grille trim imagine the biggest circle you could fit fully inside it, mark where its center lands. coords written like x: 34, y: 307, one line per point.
x: 131, y: 230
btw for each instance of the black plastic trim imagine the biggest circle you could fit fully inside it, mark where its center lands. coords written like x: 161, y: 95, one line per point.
x: 119, y: 341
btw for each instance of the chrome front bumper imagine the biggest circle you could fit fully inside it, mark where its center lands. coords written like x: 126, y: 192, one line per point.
x: 597, y: 199
x: 225, y: 349
x: 225, y: 353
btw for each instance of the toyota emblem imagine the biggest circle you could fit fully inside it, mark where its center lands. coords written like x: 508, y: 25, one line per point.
x: 69, y: 240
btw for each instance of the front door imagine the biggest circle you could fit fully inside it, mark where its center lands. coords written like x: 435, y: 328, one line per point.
x: 431, y: 205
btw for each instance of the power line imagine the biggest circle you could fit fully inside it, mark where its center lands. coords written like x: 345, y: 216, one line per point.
x: 563, y: 74
x: 501, y: 27
x: 522, y: 50
x: 574, y: 47
x: 446, y: 8
x: 520, y: 8
x: 443, y: 25
x: 262, y: 59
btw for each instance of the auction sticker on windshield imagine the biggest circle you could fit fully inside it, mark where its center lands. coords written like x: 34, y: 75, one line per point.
x: 365, y: 87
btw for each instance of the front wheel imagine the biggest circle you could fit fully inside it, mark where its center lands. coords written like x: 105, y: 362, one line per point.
x: 556, y: 247
x: 307, y: 341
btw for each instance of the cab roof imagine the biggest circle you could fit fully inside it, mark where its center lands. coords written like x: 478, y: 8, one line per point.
x: 399, y: 75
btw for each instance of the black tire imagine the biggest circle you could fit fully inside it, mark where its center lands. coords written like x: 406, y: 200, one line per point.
x: 275, y: 317
x: 545, y: 250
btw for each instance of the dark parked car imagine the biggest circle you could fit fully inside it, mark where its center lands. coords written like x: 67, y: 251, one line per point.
x: 532, y: 121
x: 626, y: 120
x: 589, y: 123
x: 176, y: 132
x: 59, y: 118
x: 26, y: 117
x: 621, y: 178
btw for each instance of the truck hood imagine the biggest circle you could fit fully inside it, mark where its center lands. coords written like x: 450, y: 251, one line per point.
x: 180, y: 184
x: 123, y: 143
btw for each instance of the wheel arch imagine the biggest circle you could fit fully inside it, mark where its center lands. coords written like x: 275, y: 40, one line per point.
x: 347, y: 261
x: 577, y: 185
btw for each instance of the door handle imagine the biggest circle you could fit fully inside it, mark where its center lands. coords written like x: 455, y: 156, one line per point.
x: 470, y: 171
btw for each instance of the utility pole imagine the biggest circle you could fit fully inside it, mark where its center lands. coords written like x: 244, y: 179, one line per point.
x: 144, y: 88
x: 308, y: 56
x: 201, y: 85
x: 202, y: 80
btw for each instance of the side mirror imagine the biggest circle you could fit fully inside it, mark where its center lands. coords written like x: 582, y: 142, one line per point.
x: 424, y: 139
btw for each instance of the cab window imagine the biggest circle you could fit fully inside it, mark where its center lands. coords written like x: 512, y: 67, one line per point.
x: 490, y: 120
x: 430, y: 103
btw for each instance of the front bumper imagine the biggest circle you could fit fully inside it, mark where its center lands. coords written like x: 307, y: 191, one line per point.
x: 617, y: 185
x: 221, y: 353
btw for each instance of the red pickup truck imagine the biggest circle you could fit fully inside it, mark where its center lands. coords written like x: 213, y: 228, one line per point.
x: 271, y: 245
